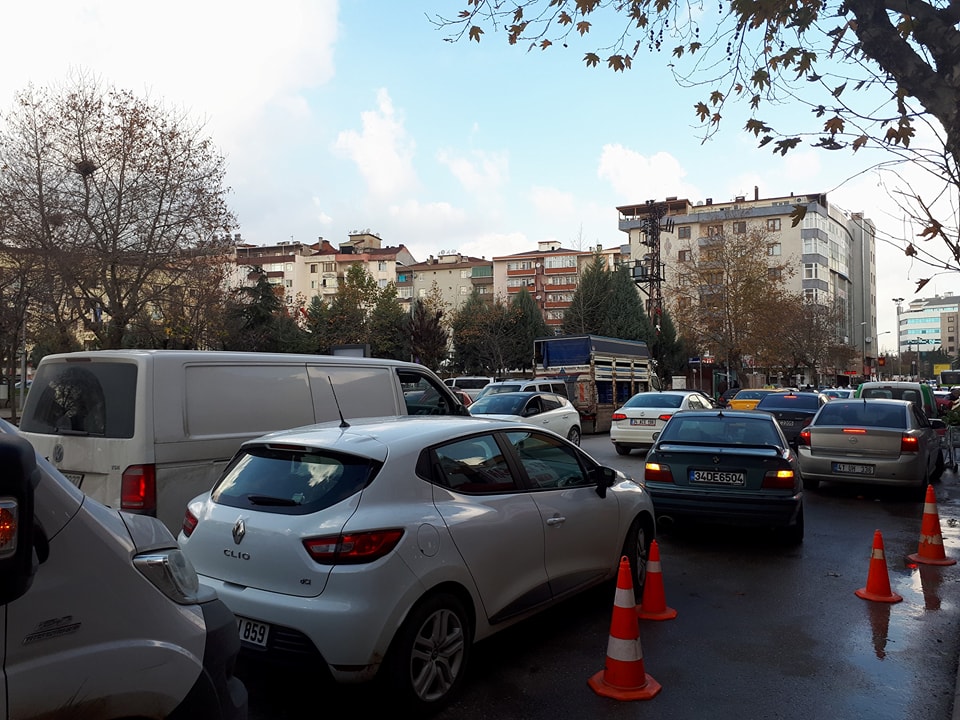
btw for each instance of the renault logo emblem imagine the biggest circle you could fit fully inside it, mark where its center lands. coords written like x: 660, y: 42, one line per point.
x: 239, y: 530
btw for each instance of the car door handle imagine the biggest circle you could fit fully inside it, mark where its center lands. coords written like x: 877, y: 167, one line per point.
x: 556, y: 520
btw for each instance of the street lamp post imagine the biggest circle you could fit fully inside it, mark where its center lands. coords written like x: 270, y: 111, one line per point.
x: 863, y: 350
x: 899, y: 351
x: 877, y: 338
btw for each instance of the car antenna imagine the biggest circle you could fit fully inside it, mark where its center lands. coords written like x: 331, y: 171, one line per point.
x: 343, y: 423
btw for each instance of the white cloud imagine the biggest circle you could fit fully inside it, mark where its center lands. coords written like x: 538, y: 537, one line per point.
x: 480, y: 173
x: 637, y: 178
x: 382, y: 151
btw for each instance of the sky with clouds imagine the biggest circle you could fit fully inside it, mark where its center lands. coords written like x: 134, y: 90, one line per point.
x: 343, y: 116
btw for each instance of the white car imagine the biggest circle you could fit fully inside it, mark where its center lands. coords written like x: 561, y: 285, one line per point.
x: 391, y: 545
x: 635, y: 424
x: 546, y: 410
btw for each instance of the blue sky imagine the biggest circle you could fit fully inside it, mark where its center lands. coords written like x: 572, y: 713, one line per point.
x: 336, y: 117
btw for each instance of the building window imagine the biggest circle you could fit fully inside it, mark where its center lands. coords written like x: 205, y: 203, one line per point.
x: 405, y: 292
x: 774, y: 248
x: 464, y: 290
x: 465, y: 274
x: 329, y: 267
x: 740, y: 227
x: 382, y: 266
x: 714, y: 230
x: 313, y: 267
x: 288, y: 267
x: 313, y: 284
x: 382, y: 283
x: 560, y: 261
x: 683, y: 232
x: 288, y: 283
x: 684, y: 303
x: 810, y: 271
x: 685, y: 255
x: 775, y: 273
x: 773, y: 224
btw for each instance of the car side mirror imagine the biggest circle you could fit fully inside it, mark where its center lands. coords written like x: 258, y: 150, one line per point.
x: 604, y: 477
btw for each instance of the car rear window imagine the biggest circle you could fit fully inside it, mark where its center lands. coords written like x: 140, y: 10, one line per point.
x: 862, y: 414
x: 654, y: 400
x: 89, y: 398
x: 800, y: 401
x: 292, y: 482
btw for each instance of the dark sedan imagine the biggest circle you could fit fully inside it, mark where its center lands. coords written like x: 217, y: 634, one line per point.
x: 727, y: 466
x: 793, y: 411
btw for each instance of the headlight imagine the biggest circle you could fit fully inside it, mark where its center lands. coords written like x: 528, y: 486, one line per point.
x: 173, y: 574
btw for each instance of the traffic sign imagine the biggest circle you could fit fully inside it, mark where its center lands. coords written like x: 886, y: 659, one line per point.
x: 693, y: 360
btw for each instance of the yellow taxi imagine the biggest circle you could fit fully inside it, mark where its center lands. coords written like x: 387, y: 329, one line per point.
x: 747, y: 399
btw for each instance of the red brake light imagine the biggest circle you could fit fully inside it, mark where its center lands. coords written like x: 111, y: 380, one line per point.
x: 353, y: 548
x: 189, y: 523
x: 618, y: 416
x: 665, y: 416
x: 804, y: 438
x: 779, y: 479
x: 909, y: 444
x: 9, y: 526
x: 138, y: 489
x: 855, y: 431
x: 657, y: 472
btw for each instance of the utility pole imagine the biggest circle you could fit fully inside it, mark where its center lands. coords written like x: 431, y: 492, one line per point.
x: 647, y: 272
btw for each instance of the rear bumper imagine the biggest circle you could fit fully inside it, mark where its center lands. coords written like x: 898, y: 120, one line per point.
x: 894, y: 474
x: 728, y: 508
x: 217, y: 694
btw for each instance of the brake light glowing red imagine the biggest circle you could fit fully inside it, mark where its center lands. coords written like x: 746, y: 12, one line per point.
x: 804, y: 438
x: 855, y: 431
x: 189, y: 523
x: 618, y: 416
x: 8, y: 527
x: 909, y: 444
x: 138, y: 489
x: 352, y: 548
x: 657, y: 472
x: 665, y: 417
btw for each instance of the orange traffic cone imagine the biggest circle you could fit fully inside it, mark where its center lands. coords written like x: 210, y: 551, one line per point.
x: 931, y: 550
x: 878, y: 582
x: 623, y: 676
x: 653, y: 606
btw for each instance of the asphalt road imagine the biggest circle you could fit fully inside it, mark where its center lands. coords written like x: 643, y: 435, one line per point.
x: 762, y: 630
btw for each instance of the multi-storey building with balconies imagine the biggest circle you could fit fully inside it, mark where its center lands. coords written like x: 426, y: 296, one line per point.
x: 551, y: 274
x: 834, y: 250
x: 455, y: 277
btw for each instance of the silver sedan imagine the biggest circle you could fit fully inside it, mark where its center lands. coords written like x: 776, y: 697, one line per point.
x: 878, y: 441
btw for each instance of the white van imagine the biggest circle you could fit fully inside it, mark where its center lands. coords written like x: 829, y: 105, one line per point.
x: 148, y: 430
x: 101, y: 615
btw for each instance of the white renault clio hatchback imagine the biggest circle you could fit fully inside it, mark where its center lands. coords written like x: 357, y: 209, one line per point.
x: 392, y: 545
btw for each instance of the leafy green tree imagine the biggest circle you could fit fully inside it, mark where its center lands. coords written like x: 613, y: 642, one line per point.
x: 482, y: 332
x: 624, y: 313
x: 122, y: 195
x: 256, y: 318
x: 528, y: 325
x: 386, y: 326
x: 428, y: 337
x: 588, y: 307
x: 349, y: 308
x: 857, y: 74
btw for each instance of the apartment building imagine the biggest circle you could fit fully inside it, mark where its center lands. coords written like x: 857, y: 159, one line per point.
x: 455, y: 277
x: 834, y: 250
x: 305, y: 271
x: 551, y: 274
x: 928, y: 324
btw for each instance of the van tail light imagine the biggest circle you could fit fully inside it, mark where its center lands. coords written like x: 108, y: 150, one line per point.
x: 189, y: 523
x: 352, y: 548
x: 657, y: 472
x: 618, y: 416
x: 9, y: 527
x: 803, y: 438
x: 782, y: 479
x: 138, y: 489
x: 909, y: 444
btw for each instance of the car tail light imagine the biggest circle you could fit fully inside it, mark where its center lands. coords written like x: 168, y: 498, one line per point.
x: 138, y: 489
x: 657, y: 472
x: 352, y: 548
x: 804, y: 438
x: 665, y: 417
x: 9, y: 527
x: 855, y: 431
x: 782, y: 479
x: 189, y: 523
x: 618, y: 416
x: 909, y: 444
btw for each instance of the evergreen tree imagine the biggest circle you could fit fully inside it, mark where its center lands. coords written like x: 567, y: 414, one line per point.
x: 624, y: 313
x: 528, y: 325
x: 588, y: 307
x: 253, y: 315
x: 386, y: 331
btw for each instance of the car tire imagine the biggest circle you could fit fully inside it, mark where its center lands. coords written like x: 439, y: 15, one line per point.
x: 621, y: 449
x: 574, y: 435
x: 428, y: 657
x: 636, y: 548
x: 810, y: 484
